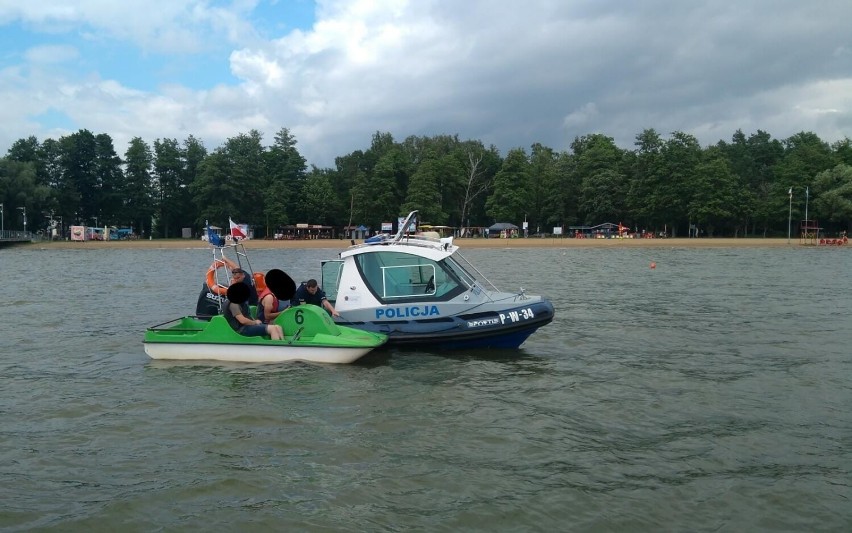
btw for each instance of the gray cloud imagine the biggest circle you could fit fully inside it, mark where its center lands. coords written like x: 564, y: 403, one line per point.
x: 509, y: 73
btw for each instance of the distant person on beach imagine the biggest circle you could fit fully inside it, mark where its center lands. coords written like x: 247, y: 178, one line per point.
x: 310, y: 293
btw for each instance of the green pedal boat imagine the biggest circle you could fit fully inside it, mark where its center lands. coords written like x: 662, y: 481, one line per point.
x: 309, y: 335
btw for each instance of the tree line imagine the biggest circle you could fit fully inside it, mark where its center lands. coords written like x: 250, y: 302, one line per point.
x: 748, y: 186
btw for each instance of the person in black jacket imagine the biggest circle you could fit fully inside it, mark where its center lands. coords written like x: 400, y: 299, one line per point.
x: 209, y: 303
x: 310, y: 293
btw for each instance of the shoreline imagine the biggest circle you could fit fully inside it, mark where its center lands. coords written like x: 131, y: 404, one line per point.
x: 469, y: 243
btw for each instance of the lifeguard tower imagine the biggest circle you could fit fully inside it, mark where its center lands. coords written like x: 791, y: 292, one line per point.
x: 809, y: 232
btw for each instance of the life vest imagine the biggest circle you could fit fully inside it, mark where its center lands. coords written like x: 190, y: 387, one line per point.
x: 212, y: 284
x: 261, y: 314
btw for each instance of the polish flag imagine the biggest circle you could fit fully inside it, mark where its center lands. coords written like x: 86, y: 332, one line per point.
x: 236, y: 231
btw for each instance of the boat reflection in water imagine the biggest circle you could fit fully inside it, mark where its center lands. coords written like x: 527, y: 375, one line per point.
x: 419, y: 290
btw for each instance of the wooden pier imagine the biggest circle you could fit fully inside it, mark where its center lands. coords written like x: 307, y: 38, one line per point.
x: 9, y: 237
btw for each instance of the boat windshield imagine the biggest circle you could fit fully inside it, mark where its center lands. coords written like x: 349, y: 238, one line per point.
x: 330, y: 272
x: 395, y: 276
x: 461, y: 273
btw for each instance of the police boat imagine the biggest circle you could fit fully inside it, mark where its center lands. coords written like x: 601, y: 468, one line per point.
x: 418, y: 290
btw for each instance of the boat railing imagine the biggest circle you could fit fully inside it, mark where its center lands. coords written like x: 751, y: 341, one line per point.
x: 242, y: 260
x: 479, y: 274
x: 404, y: 227
x: 163, y: 326
x: 409, y: 240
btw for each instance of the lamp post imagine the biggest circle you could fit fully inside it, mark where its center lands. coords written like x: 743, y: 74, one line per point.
x: 789, y: 214
x: 24, y: 211
x: 806, y: 202
x: 2, y: 221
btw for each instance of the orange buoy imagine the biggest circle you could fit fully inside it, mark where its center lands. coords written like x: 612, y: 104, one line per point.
x: 212, y: 284
x: 653, y: 265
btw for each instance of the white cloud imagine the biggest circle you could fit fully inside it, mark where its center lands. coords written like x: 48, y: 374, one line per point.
x: 174, y: 26
x: 509, y: 73
x: 51, y: 54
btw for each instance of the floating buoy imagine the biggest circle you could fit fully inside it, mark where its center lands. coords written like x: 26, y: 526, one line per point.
x: 653, y: 264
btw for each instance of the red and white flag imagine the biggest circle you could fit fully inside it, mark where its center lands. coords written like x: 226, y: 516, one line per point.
x: 236, y: 230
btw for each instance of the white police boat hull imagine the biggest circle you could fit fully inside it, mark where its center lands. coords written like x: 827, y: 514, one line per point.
x: 418, y: 290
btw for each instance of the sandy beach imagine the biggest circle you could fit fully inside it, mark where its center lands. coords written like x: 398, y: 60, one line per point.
x: 339, y: 244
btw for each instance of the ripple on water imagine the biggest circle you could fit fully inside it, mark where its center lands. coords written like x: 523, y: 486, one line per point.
x: 711, y: 392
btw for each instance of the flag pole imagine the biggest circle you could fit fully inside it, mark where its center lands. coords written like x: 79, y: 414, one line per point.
x: 789, y: 214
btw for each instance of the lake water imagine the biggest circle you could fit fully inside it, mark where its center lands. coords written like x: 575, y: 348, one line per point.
x: 712, y: 392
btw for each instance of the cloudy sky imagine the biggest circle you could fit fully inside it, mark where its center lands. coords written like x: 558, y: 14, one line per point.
x: 507, y: 72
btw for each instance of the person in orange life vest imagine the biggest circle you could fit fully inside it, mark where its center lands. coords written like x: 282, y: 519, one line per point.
x: 273, y: 300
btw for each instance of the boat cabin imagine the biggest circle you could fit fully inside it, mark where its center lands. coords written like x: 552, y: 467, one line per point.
x: 393, y: 276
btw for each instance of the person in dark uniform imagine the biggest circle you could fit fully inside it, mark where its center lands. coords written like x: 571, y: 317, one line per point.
x: 310, y: 293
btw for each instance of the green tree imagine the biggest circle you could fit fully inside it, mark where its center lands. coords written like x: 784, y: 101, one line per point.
x: 446, y: 154
x: 742, y: 166
x: 805, y: 156
x: 597, y: 164
x: 108, y: 207
x: 603, y: 196
x: 63, y: 203
x: 138, y: 187
x: 542, y: 174
x: 349, y: 169
x: 50, y: 156
x: 833, y: 196
x: 510, y: 196
x: 480, y: 166
x: 19, y: 189
x: 843, y: 151
x: 562, y: 204
x: 40, y: 196
x: 385, y: 199
x: 423, y: 194
x: 247, y: 169
x: 681, y: 156
x: 81, y: 185
x: 213, y: 190
x: 24, y: 150
x: 168, y: 180
x: 318, y: 197
x: 645, y: 204
x: 714, y: 201
x: 753, y: 161
x: 286, y: 170
x: 360, y: 202
x: 193, y: 154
